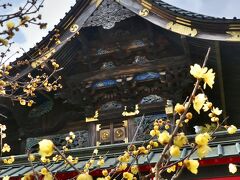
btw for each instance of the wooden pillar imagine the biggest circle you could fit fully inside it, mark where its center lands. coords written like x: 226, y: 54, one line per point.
x: 92, y: 133
x: 220, y: 77
x: 131, y: 129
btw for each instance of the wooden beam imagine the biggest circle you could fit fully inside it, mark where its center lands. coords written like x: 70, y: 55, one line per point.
x: 156, y: 65
x: 220, y: 76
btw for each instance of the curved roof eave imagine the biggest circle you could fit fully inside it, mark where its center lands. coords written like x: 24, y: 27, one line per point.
x: 160, y: 13
x: 68, y: 28
x: 62, y: 26
x: 184, y: 22
x: 156, y: 11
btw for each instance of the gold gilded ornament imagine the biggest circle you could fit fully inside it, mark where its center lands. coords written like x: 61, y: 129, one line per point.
x: 181, y: 29
x: 94, y: 118
x: 234, y: 35
x: 126, y: 113
x: 74, y: 28
x: 105, y: 135
x: 143, y: 12
x: 119, y: 133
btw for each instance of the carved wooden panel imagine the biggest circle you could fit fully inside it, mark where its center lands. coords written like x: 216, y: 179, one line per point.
x: 81, y: 140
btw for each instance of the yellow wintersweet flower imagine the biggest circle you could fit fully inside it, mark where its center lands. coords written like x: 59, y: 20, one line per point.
x: 231, y: 129
x: 44, y: 171
x: 10, y: 160
x: 22, y: 102
x: 192, y: 165
x: 125, y: 157
x: 48, y: 176
x: 84, y: 177
x: 91, y: 161
x: 2, y: 83
x: 72, y: 135
x: 134, y: 169
x: 30, y: 103
x: 180, y: 140
x: 104, y: 178
x: 155, y: 144
x: 105, y: 172
x: 179, y: 108
x: 128, y: 176
x: 154, y: 132
x: 28, y: 176
x: 31, y: 157
x: 175, y: 151
x: 95, y: 151
x: 199, y: 101
x: 171, y: 169
x: 207, y: 106
x: 57, y: 158
x: 87, y: 166
x: 203, y: 151
x: 10, y: 24
x: 72, y: 160
x: 216, y: 111
x: 202, y: 139
x: 122, y: 167
x: 164, y: 137
x: 208, y: 78
x: 166, y: 126
x: 46, y: 147
x: 100, y: 162
x: 6, y: 148
x: 6, y: 178
x: 142, y: 150
x: 232, y: 168
x: 189, y: 115
x: 178, y: 123
x: 180, y: 164
x: 4, y: 41
x: 197, y: 71
x: 44, y: 159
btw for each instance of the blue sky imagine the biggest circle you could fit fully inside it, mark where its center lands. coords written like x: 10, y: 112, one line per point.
x: 217, y: 8
x: 52, y: 12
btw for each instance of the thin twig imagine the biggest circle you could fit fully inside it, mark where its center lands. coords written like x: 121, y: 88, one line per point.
x: 64, y: 157
x: 182, y: 118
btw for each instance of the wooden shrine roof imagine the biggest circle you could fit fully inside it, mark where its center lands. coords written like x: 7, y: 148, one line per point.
x: 160, y: 13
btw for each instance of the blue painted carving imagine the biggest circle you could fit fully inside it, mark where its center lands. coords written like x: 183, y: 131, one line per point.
x: 138, y: 43
x: 140, y: 60
x: 81, y: 140
x: 110, y: 105
x: 104, y: 84
x: 102, y: 51
x: 153, y: 98
x: 147, y: 76
x: 108, y: 65
x: 147, y: 125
